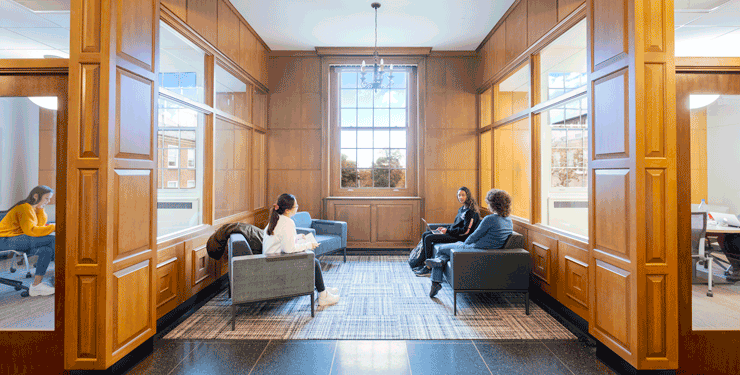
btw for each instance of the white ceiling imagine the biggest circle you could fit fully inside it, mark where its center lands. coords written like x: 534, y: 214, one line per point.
x: 707, y: 28
x: 28, y: 34
x: 440, y: 24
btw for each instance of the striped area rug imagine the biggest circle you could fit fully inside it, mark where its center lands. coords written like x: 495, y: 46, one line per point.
x: 381, y: 299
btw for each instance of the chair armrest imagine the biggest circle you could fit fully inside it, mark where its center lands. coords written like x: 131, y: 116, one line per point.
x: 305, y: 231
x: 490, y: 269
x: 237, y: 245
x: 331, y: 227
x: 265, y: 276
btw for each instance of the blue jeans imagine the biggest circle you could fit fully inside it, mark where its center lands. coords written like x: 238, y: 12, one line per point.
x: 443, y: 252
x: 41, y: 246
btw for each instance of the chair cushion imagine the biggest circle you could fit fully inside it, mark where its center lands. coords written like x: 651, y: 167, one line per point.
x: 302, y: 220
x: 328, y: 243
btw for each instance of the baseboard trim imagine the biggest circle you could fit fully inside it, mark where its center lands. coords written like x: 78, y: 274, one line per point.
x: 164, y: 325
x: 579, y: 327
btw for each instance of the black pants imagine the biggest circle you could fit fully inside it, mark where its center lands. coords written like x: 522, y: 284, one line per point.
x: 318, y: 276
x: 732, y: 251
x: 430, y: 239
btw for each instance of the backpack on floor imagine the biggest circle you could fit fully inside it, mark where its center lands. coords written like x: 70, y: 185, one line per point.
x: 416, y: 257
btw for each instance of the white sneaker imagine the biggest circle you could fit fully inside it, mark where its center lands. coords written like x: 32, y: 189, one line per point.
x: 40, y: 290
x: 327, y: 299
x: 334, y: 291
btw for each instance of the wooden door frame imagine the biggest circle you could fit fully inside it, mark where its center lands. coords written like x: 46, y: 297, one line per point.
x: 42, y: 351
x: 704, y: 351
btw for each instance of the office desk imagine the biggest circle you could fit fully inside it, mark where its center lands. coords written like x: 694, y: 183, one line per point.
x: 713, y: 230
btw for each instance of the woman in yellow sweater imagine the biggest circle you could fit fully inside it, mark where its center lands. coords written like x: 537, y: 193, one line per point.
x: 24, y: 228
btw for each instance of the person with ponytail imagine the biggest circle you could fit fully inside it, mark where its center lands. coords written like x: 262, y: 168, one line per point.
x: 24, y: 228
x: 281, y: 237
x: 465, y: 223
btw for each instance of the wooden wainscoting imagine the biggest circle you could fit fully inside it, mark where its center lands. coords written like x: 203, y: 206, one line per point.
x: 377, y: 222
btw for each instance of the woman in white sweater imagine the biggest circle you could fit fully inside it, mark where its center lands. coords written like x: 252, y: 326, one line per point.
x: 280, y: 236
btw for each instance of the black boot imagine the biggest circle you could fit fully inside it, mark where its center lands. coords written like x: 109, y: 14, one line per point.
x: 435, y: 288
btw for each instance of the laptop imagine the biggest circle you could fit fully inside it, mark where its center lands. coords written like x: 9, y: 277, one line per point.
x: 729, y: 219
x: 428, y: 227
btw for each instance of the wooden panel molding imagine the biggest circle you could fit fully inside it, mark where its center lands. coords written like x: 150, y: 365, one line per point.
x: 655, y: 219
x: 132, y: 212
x: 576, y: 280
x: 566, y: 7
x: 90, y: 111
x: 134, y: 127
x: 654, y: 110
x: 87, y: 318
x: 611, y: 210
x: 178, y: 7
x: 91, y: 19
x: 137, y: 32
x: 394, y: 223
x: 228, y: 31
x: 613, y: 312
x: 544, y: 252
x: 167, y: 282
x: 499, y: 49
x: 516, y: 31
x: 90, y: 226
x: 654, y: 27
x: 542, y: 15
x: 610, y: 118
x: 202, y: 17
x: 357, y: 218
x: 656, y: 314
x: 201, y: 265
x: 131, y: 309
x: 609, y: 30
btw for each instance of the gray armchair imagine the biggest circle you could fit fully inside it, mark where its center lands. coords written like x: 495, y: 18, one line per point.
x: 331, y: 234
x: 490, y: 270
x: 261, y: 277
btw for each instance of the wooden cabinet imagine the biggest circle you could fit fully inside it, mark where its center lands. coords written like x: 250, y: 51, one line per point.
x: 377, y: 222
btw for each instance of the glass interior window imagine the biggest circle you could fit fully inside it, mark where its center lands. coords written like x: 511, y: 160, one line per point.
x: 181, y: 65
x: 373, y: 131
x: 485, y: 108
x: 564, y: 174
x: 180, y: 137
x: 715, y: 189
x: 28, y: 145
x: 563, y: 63
x: 232, y: 95
x: 511, y: 96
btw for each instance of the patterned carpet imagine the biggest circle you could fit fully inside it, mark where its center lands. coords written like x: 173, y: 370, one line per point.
x: 381, y: 299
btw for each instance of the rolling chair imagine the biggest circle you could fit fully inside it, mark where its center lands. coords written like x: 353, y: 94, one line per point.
x: 15, y: 283
x: 701, y: 251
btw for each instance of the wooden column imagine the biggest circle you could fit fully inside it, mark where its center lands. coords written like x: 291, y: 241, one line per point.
x: 111, y: 216
x: 633, y: 180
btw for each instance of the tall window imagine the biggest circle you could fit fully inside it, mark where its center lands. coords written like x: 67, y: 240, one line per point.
x: 564, y: 133
x: 180, y: 134
x: 373, y: 128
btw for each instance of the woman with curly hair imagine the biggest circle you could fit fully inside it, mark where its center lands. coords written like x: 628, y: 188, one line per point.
x: 491, y: 233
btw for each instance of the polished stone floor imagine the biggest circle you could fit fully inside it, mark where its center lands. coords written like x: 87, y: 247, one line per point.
x: 468, y: 357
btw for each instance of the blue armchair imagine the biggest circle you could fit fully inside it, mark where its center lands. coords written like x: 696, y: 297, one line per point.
x: 332, y: 235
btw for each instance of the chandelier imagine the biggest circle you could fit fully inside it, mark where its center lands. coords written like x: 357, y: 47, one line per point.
x: 378, y: 73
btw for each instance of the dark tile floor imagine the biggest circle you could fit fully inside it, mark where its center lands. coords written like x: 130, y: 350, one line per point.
x: 468, y: 357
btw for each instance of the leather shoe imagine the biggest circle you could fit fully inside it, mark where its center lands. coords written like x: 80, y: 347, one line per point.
x: 434, y: 262
x: 435, y: 288
x: 424, y: 271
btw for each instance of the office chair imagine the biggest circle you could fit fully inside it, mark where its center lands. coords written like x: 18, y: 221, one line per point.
x: 700, y: 253
x: 18, y: 285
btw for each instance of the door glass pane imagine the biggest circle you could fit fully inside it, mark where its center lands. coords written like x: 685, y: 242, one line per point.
x: 512, y: 95
x: 563, y: 63
x: 714, y: 143
x: 181, y: 65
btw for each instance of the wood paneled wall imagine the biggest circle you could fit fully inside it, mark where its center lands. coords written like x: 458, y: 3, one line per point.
x: 48, y: 149
x: 110, y: 306
x: 219, y: 23
x: 522, y: 26
x: 623, y: 281
x: 698, y: 129
x: 294, y: 146
x: 449, y: 137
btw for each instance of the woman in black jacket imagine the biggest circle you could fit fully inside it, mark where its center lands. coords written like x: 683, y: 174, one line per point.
x: 466, y: 221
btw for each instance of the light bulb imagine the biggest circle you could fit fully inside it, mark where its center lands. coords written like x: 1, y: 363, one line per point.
x: 48, y: 102
x: 698, y: 101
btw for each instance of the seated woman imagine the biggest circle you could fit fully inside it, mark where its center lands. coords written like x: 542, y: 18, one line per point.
x: 280, y: 236
x: 467, y: 218
x: 24, y: 228
x: 492, y: 233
